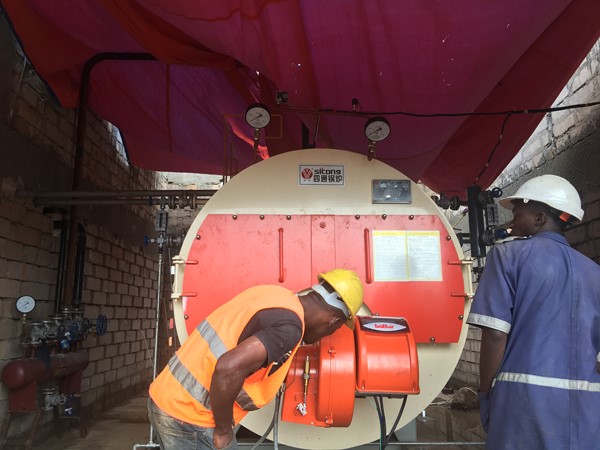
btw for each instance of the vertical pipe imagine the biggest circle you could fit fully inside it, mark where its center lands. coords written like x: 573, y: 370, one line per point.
x: 476, y: 224
x: 306, y: 137
x: 60, y: 274
x: 368, y: 260
x: 79, y: 265
x: 80, y: 135
x: 281, y: 264
x: 77, y: 169
x: 158, y: 295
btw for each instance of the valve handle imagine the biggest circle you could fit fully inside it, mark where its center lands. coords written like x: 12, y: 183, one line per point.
x: 101, y: 325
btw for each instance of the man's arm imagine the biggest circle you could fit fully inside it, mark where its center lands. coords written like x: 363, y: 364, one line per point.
x: 232, y: 368
x: 493, y: 345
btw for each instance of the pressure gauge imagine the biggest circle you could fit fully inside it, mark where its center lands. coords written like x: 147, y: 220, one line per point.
x: 258, y: 115
x: 25, y: 304
x: 377, y: 129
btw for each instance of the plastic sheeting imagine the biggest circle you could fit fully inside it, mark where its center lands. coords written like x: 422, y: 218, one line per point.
x: 184, y: 111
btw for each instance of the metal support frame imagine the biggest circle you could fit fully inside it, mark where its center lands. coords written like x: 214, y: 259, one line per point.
x: 161, y: 226
x: 28, y: 442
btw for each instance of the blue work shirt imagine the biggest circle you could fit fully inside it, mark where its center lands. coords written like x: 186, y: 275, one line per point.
x: 546, y: 297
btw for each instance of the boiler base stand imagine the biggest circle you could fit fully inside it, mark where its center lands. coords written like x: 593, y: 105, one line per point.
x: 75, y: 414
x: 28, y: 442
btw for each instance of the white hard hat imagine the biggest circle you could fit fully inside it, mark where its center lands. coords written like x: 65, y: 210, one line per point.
x: 552, y: 190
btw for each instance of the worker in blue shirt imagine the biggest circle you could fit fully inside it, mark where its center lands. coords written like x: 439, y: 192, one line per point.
x: 538, y: 306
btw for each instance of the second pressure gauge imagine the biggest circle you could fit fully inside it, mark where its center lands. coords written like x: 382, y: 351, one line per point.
x: 258, y: 115
x: 377, y: 129
x: 25, y: 304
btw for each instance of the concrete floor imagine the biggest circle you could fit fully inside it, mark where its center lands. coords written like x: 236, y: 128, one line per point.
x: 119, y: 428
x: 126, y: 427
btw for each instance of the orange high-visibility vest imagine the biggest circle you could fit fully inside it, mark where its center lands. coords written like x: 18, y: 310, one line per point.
x: 182, y: 389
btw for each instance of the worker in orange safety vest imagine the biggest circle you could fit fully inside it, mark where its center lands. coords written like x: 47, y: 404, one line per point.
x: 237, y: 358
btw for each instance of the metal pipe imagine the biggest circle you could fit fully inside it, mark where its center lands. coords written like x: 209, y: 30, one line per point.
x: 65, y: 202
x: 21, y: 376
x: 151, y: 443
x: 476, y: 225
x: 391, y: 444
x: 436, y: 444
x: 79, y: 265
x: 170, y: 198
x: 21, y: 372
x: 60, y: 272
x: 116, y: 194
x: 80, y: 136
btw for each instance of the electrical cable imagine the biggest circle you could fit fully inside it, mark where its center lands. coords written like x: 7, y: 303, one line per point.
x: 507, y: 114
x: 273, y: 422
x: 381, y: 415
x: 340, y: 112
x: 487, y: 163
x: 389, y: 436
x: 314, y: 144
x: 384, y: 438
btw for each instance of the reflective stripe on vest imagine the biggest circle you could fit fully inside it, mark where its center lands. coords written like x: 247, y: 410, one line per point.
x: 558, y: 383
x: 195, y: 387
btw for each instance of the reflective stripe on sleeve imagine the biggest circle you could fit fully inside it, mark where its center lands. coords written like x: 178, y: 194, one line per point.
x: 557, y: 383
x: 488, y: 322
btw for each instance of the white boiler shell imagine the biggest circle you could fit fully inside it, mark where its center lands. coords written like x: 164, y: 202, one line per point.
x: 272, y: 187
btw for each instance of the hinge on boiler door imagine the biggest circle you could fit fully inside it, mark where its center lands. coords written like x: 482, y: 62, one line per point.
x: 467, y: 270
x: 178, y: 267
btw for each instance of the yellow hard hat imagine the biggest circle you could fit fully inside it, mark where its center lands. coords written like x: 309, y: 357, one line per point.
x: 349, y: 288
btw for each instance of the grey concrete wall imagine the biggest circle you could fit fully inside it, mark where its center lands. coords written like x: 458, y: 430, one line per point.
x: 36, y: 145
x: 566, y: 143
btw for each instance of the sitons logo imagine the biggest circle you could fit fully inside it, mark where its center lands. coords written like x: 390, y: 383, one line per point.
x: 322, y: 171
x: 321, y: 175
x: 307, y: 173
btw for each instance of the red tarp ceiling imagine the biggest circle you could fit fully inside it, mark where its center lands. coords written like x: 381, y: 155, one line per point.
x: 184, y: 111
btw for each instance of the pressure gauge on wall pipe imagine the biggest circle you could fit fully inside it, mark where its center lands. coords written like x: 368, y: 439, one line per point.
x: 25, y: 304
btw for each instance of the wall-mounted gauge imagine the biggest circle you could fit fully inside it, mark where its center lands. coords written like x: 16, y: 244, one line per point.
x: 25, y: 304
x: 377, y: 129
x: 258, y: 115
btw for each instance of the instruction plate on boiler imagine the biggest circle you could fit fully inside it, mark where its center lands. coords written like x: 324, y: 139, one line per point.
x: 403, y: 255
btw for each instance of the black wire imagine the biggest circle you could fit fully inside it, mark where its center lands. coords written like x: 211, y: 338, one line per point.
x: 389, y: 436
x: 507, y: 114
x: 272, y: 424
x: 314, y: 144
x: 381, y: 414
x: 334, y: 112
x: 487, y: 163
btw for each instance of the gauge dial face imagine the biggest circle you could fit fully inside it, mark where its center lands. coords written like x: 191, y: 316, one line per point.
x: 25, y: 304
x: 377, y: 129
x: 258, y: 115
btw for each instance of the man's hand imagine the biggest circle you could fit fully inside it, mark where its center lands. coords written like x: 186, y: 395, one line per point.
x: 222, y: 437
x: 493, y: 345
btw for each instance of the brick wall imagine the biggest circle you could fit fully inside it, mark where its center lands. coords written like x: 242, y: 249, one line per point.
x: 36, y: 141
x: 566, y: 143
